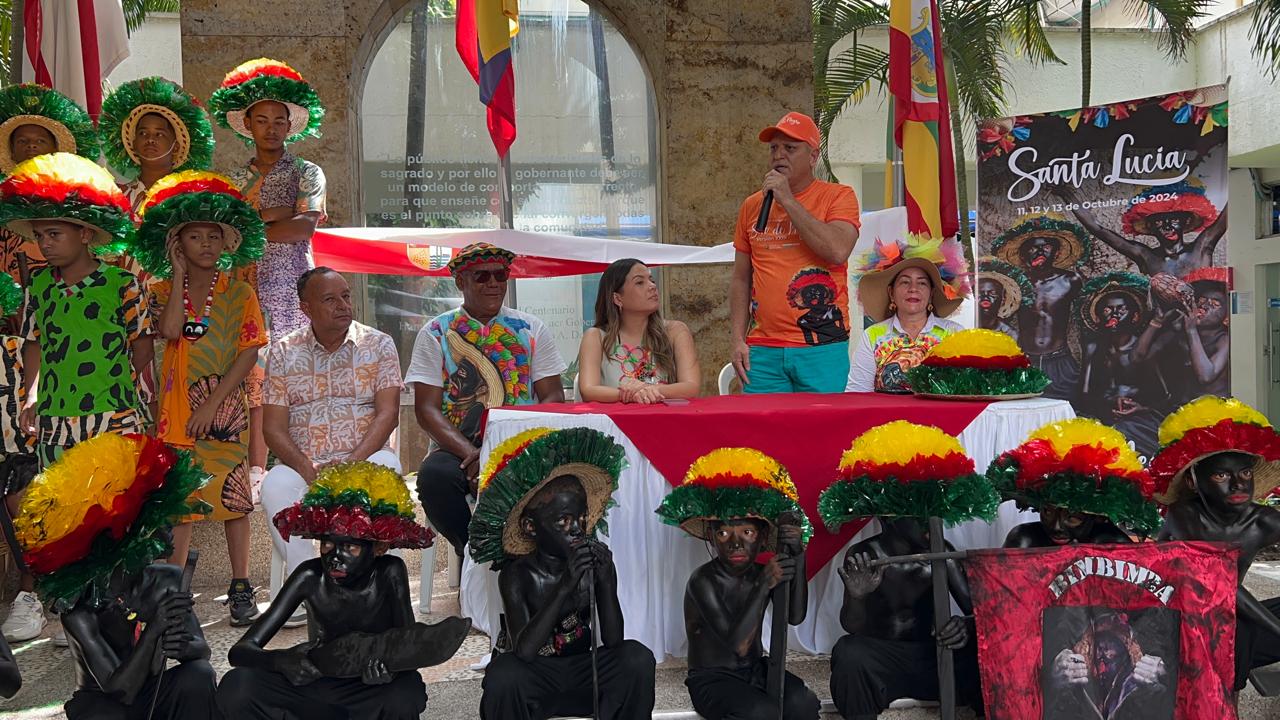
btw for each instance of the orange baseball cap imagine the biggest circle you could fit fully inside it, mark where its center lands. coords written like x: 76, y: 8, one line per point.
x: 797, y: 126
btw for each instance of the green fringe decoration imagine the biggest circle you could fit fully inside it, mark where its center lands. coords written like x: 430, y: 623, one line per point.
x: 1042, y: 223
x: 993, y: 266
x: 10, y: 295
x: 943, y: 380
x: 106, y: 217
x: 268, y: 87
x: 90, y: 576
x: 353, y: 498
x: 1116, y: 498
x: 967, y: 497
x: 149, y: 242
x: 526, y: 471
x: 153, y: 91
x: 692, y: 500
x: 32, y: 99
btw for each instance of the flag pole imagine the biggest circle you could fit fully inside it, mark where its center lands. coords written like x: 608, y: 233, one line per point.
x: 17, y: 51
x: 942, y: 613
x: 504, y: 191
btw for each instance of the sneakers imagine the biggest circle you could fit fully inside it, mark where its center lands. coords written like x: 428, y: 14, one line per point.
x: 297, y: 619
x: 244, y: 609
x: 26, y: 618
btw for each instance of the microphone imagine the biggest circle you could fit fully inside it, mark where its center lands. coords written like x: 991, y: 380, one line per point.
x: 765, y: 207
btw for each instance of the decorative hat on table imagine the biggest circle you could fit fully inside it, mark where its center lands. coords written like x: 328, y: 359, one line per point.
x: 524, y: 464
x: 196, y: 196
x: 359, y: 500
x: 68, y: 188
x: 734, y: 483
x: 977, y: 364
x: 252, y: 82
x: 942, y: 260
x: 1207, y: 426
x: 1018, y: 291
x: 901, y: 469
x: 1080, y: 466
x: 31, y: 104
x: 104, y: 507
x: 123, y: 109
x: 1071, y: 239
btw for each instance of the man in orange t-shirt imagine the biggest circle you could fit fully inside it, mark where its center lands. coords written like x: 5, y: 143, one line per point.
x: 789, y: 300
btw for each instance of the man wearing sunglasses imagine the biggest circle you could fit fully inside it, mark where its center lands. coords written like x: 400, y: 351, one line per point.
x: 478, y: 356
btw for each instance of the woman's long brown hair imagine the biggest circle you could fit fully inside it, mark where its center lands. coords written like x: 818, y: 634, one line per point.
x: 609, y: 319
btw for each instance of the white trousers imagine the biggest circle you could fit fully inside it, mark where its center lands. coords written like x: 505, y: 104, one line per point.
x: 282, y: 487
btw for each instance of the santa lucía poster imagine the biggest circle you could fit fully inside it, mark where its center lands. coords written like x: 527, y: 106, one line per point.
x: 1102, y: 244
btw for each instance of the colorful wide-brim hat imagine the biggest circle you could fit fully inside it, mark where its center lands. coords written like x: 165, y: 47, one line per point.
x: 104, y: 506
x: 731, y: 483
x: 977, y: 363
x: 10, y: 295
x: 1073, y: 241
x: 1186, y: 196
x: 31, y: 104
x: 122, y: 109
x: 1130, y: 285
x: 252, y: 82
x: 901, y: 469
x: 69, y: 188
x: 1080, y: 466
x: 942, y: 260
x: 1018, y: 291
x: 196, y: 196
x: 479, y: 254
x: 521, y: 466
x: 360, y: 500
x: 1207, y: 426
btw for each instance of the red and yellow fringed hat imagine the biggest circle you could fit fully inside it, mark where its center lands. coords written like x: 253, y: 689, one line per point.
x: 252, y: 82
x: 104, y: 506
x: 360, y: 500
x: 66, y: 187
x: 1080, y: 466
x: 734, y: 483
x: 1207, y: 426
x: 901, y: 469
x: 977, y: 364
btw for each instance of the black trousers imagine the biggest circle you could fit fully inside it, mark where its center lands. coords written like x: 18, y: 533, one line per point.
x: 725, y: 694
x: 869, y: 673
x: 256, y: 694
x: 519, y: 690
x: 185, y: 693
x: 442, y: 489
x: 1255, y: 646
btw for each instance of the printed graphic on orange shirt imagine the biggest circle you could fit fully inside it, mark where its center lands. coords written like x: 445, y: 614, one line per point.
x: 814, y: 291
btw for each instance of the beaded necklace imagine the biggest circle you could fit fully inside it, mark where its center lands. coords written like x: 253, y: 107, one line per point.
x: 196, y: 325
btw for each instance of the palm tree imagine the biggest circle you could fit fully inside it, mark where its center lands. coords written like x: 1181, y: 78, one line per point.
x: 1264, y: 31
x: 135, y: 13
x: 1175, y: 17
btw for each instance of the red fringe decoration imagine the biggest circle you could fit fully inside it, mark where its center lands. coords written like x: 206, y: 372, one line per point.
x: 1227, y: 435
x: 206, y: 185
x: 346, y: 521
x: 40, y: 187
x: 1037, y: 461
x: 277, y: 69
x: 931, y: 467
x: 997, y: 362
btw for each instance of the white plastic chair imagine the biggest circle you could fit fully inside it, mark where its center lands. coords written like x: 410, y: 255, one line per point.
x: 726, y: 377
x: 577, y: 394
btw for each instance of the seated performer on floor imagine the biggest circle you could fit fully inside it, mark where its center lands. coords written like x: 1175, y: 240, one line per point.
x: 542, y: 497
x: 364, y: 648
x: 1085, y: 481
x: 743, y: 502
x: 903, y: 474
x: 90, y: 526
x: 1218, y: 459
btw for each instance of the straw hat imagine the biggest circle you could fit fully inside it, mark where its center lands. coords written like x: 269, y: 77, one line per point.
x: 122, y: 109
x: 196, y: 196
x: 942, y: 260
x: 1073, y: 241
x: 31, y: 104
x: 1209, y: 426
x: 262, y: 79
x: 1132, y: 286
x: 1018, y: 291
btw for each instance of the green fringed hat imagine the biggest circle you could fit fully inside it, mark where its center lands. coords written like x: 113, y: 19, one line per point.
x: 1073, y: 241
x: 1132, y: 286
x: 266, y: 79
x: 122, y: 109
x: 734, y: 483
x: 67, y: 188
x: 1018, y: 291
x: 977, y: 364
x: 521, y: 466
x: 1079, y: 466
x: 196, y: 196
x: 31, y: 104
x: 105, y: 506
x: 901, y: 469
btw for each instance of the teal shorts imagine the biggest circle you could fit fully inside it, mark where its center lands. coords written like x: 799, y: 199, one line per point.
x: 812, y: 368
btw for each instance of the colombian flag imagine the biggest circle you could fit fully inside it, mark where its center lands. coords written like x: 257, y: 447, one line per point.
x: 483, y: 37
x: 922, y: 118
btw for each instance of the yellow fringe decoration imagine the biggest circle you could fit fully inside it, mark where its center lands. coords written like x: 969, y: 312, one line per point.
x: 976, y: 343
x: 505, y: 451
x: 1207, y: 411
x: 898, y: 443
x: 1065, y: 435
x: 89, y: 474
x: 381, y: 483
x: 741, y: 462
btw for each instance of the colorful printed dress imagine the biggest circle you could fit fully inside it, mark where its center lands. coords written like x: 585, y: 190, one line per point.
x: 190, y: 371
x: 630, y: 361
x: 886, y: 352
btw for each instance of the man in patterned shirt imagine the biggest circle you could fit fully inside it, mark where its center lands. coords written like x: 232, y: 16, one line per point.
x: 332, y: 394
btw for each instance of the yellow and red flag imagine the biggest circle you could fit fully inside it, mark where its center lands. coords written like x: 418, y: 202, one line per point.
x: 483, y: 36
x: 922, y: 118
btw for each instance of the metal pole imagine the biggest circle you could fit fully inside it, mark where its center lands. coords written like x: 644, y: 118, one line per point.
x: 941, y: 613
x: 504, y: 190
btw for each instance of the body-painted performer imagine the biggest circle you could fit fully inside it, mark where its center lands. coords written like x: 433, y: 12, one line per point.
x: 902, y: 474
x: 1003, y: 292
x: 909, y: 289
x: 363, y: 648
x: 1218, y: 458
x: 195, y: 230
x: 1191, y: 342
x: 477, y: 356
x: 1081, y: 476
x: 742, y: 502
x: 542, y: 497
x: 91, y: 525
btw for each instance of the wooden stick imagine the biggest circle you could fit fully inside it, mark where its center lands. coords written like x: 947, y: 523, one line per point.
x: 778, y: 643
x: 941, y: 613
x: 920, y: 557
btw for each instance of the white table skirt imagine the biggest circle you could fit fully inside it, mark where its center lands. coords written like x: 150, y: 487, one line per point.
x: 655, y: 560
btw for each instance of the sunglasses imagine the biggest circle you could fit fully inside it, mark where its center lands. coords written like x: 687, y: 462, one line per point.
x: 483, y: 276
